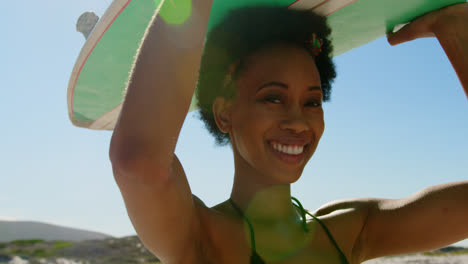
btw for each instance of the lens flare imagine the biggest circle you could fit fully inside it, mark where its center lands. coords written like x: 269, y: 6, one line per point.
x: 175, y: 12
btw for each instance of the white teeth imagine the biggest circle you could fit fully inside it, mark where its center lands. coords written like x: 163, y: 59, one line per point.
x: 288, y: 149
x: 296, y: 149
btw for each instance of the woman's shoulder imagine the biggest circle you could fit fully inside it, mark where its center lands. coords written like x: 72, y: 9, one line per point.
x: 218, y: 217
x: 223, y: 233
x: 345, y: 220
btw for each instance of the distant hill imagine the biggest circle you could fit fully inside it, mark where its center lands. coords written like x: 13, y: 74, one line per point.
x: 19, y: 230
x: 126, y: 250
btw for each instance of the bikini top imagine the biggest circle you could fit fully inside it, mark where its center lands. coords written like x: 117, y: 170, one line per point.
x: 256, y: 259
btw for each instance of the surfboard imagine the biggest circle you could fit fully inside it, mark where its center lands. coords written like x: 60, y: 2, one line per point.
x: 99, y: 77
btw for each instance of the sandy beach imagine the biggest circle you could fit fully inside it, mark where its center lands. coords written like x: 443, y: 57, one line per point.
x: 421, y: 259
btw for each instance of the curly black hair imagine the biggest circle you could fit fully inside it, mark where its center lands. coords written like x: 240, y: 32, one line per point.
x: 245, y: 31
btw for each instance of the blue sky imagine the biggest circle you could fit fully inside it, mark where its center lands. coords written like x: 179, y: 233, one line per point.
x: 397, y: 123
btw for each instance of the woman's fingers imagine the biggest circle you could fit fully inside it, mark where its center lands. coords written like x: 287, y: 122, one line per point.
x: 419, y: 28
x: 426, y: 25
x: 409, y: 32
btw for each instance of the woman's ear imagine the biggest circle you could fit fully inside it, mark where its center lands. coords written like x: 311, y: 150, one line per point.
x: 221, y: 112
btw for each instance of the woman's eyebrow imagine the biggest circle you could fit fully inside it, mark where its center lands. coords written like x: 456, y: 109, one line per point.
x: 273, y: 83
x: 285, y: 86
x: 315, y: 88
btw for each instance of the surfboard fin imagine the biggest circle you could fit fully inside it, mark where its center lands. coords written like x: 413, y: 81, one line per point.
x: 86, y: 23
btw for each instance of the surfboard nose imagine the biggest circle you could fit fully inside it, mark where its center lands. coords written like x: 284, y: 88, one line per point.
x: 86, y: 23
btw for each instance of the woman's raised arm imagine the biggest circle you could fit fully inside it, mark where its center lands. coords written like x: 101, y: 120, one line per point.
x: 161, y: 86
x: 152, y: 181
x: 436, y: 216
x: 432, y: 218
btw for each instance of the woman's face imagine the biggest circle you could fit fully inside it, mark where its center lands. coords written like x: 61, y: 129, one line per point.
x: 276, y: 119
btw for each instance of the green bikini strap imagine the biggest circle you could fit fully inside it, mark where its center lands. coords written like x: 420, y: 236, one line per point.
x: 342, y: 255
x: 303, y: 214
x: 252, y: 235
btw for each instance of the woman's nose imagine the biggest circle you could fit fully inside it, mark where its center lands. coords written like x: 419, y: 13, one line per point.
x: 295, y: 121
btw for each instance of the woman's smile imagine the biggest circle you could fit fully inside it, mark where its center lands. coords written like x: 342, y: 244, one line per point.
x: 292, y: 154
x: 288, y: 149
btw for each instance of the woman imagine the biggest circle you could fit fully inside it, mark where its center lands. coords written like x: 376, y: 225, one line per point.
x: 265, y: 101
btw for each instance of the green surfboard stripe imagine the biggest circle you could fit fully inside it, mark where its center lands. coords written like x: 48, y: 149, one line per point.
x: 97, y: 93
x: 381, y: 17
x: 101, y: 84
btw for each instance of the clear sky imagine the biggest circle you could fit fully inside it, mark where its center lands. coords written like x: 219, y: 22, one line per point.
x: 397, y: 123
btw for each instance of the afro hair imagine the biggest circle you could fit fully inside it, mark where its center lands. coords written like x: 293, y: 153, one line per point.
x: 245, y: 31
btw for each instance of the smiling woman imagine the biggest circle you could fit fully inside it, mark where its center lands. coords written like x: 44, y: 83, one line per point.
x: 261, y: 91
x: 258, y: 119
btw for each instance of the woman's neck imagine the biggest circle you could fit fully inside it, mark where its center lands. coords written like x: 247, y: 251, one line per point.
x: 268, y: 205
x: 262, y: 198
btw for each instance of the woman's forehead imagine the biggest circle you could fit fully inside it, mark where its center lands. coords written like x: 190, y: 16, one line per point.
x: 287, y: 63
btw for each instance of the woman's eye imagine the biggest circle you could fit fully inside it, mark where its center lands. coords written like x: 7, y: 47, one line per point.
x: 273, y: 99
x: 314, y: 104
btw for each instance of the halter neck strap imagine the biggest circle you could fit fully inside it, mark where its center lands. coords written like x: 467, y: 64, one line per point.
x: 252, y: 235
x: 303, y: 214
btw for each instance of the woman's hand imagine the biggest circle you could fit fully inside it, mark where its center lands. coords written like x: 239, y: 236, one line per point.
x: 450, y: 26
x: 433, y: 24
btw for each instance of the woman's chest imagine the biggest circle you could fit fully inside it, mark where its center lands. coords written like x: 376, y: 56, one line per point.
x: 229, y: 241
